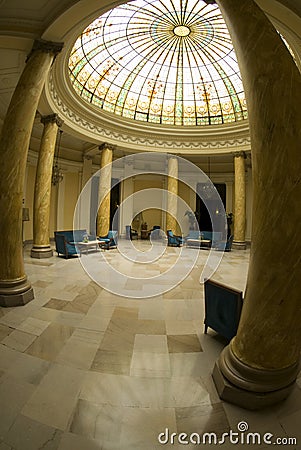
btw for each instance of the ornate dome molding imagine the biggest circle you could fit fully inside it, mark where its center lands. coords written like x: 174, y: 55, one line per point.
x: 98, y: 126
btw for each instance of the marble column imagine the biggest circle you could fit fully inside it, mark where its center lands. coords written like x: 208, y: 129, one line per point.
x: 260, y: 365
x: 87, y: 170
x: 239, y: 241
x: 15, y: 289
x: 103, y: 216
x: 42, y: 194
x: 172, y: 194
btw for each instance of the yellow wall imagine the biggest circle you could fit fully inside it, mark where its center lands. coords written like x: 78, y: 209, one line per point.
x: 70, y: 195
x: 70, y: 198
x: 152, y: 216
x: 147, y: 183
x: 187, y: 194
x: 53, y: 210
x: 189, y: 197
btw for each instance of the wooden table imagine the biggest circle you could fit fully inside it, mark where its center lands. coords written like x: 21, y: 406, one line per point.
x: 86, y: 246
x: 144, y: 234
x: 198, y: 243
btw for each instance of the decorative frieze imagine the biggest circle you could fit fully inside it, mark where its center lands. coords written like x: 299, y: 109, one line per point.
x: 194, y: 142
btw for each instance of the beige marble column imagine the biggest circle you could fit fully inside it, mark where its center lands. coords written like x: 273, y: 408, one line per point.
x: 42, y: 194
x: 103, y: 216
x: 15, y: 136
x: 87, y: 170
x: 172, y: 194
x: 260, y: 365
x: 239, y: 241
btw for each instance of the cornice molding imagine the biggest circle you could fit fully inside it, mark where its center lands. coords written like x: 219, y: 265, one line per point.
x: 90, y: 122
x: 20, y: 27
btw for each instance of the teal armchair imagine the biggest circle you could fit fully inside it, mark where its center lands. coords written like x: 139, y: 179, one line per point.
x: 173, y: 240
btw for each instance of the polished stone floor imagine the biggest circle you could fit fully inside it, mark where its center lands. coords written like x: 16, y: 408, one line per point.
x: 82, y: 368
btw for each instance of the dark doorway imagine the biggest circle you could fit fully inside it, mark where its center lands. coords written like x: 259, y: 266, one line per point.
x: 114, y: 205
x: 202, y: 212
x: 94, y: 204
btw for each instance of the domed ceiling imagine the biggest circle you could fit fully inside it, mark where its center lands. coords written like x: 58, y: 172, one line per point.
x: 165, y: 62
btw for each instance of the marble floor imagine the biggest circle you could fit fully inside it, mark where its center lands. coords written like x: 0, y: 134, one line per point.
x: 82, y: 368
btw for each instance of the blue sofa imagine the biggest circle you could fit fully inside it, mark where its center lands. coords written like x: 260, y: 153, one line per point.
x: 214, y: 236
x: 193, y: 234
x: 65, y: 241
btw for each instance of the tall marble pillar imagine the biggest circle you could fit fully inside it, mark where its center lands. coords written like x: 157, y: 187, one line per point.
x: 87, y: 170
x: 239, y: 241
x: 15, y: 136
x: 172, y: 194
x: 103, y: 216
x: 260, y: 365
x: 42, y: 194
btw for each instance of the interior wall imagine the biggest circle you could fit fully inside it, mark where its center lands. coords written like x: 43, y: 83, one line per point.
x: 60, y: 217
x: 28, y: 201
x: 53, y: 211
x: 189, y: 197
x: 152, y: 216
x: 71, y: 196
x: 64, y: 198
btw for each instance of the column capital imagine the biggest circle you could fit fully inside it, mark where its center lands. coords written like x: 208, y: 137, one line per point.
x: 170, y: 157
x: 52, y: 118
x: 106, y: 146
x: 87, y: 157
x: 240, y: 154
x: 45, y: 46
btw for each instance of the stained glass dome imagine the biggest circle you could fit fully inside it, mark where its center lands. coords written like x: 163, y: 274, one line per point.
x: 167, y: 62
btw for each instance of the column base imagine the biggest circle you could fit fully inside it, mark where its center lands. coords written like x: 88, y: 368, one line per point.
x: 15, y: 293
x: 248, y: 387
x: 41, y: 251
x: 239, y: 245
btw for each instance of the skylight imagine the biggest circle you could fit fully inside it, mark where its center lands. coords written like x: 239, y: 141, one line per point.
x: 165, y: 62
